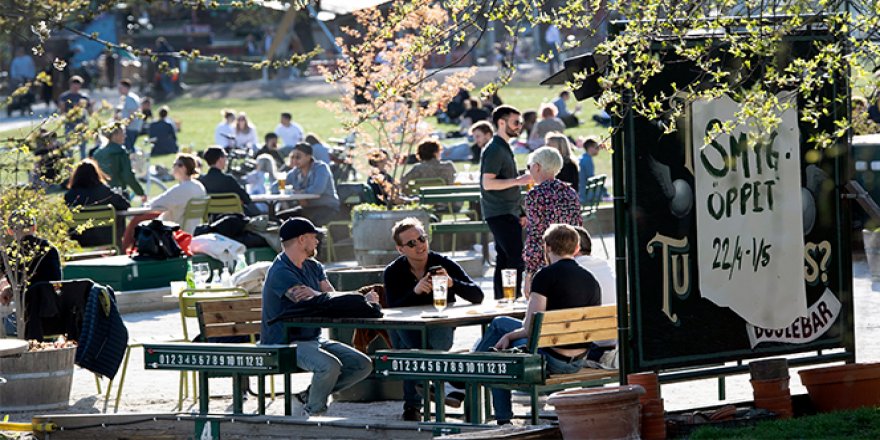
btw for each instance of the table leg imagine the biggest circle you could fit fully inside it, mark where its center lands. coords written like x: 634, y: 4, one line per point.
x: 288, y: 399
x: 472, y: 403
x: 204, y: 395
x: 426, y: 398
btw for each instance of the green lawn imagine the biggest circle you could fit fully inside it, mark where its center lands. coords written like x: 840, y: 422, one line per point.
x: 858, y: 424
x: 198, y: 118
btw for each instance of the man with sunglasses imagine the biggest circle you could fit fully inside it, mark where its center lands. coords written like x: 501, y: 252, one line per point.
x: 408, y: 283
x: 500, y: 198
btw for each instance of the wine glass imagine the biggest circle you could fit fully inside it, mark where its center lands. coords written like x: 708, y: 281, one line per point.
x: 201, y: 273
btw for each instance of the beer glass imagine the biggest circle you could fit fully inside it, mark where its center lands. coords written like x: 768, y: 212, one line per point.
x: 282, y: 183
x: 439, y: 285
x: 508, y: 284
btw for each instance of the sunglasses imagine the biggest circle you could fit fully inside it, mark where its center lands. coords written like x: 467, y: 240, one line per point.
x: 412, y: 243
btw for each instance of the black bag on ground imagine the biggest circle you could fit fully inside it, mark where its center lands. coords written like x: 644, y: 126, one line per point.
x: 154, y: 240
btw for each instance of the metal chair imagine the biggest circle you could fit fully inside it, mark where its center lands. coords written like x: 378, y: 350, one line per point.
x: 187, y: 299
x: 92, y: 217
x: 196, y: 210
x: 354, y: 194
x: 223, y: 203
x: 594, y: 188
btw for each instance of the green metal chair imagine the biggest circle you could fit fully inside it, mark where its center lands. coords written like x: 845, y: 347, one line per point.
x: 223, y: 203
x: 356, y: 194
x: 92, y: 217
x: 196, y: 210
x: 595, y: 188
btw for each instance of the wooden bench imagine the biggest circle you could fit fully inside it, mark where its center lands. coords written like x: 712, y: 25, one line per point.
x: 522, y: 371
x: 223, y: 318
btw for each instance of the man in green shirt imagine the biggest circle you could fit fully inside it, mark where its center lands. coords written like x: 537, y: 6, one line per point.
x: 115, y: 162
x: 500, y: 198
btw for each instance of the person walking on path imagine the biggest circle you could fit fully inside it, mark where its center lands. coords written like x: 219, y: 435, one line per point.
x: 294, y: 279
x: 500, y: 198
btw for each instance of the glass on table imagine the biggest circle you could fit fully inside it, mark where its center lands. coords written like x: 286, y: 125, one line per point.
x: 508, y: 284
x: 438, y: 283
x: 201, y: 272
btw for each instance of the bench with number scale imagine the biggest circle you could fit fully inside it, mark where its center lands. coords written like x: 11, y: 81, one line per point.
x: 236, y: 317
x: 523, y: 371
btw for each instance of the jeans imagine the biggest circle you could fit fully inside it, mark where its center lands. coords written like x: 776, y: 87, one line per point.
x: 499, y: 327
x: 334, y: 366
x: 438, y: 339
x: 508, y: 236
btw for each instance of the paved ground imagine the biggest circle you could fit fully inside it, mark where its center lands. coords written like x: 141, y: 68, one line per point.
x: 147, y: 392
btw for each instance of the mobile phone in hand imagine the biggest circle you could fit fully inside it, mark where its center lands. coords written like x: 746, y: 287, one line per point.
x: 434, y: 269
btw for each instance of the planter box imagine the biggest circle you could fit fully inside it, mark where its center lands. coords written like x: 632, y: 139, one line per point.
x: 122, y: 273
x: 843, y: 387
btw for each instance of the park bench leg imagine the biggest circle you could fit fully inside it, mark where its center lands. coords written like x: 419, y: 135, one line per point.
x: 287, y: 396
x: 236, y: 394
x: 204, y: 395
x: 472, y: 404
x: 261, y: 399
x: 440, y: 400
x: 533, y: 396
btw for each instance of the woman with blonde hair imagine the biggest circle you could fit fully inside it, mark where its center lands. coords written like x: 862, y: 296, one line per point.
x: 569, y: 171
x: 245, y: 133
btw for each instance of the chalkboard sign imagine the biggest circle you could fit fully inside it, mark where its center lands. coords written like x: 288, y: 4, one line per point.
x: 739, y: 247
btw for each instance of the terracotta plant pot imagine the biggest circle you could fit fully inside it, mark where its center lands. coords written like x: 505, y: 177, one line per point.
x: 779, y: 405
x: 598, y: 413
x: 770, y: 388
x: 648, y: 381
x: 653, y: 424
x: 843, y: 387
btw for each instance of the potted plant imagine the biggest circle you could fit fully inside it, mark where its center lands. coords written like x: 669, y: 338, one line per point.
x: 40, y: 377
x: 387, y: 93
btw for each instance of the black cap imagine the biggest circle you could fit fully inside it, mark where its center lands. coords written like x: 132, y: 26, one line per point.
x: 304, y: 147
x: 296, y: 226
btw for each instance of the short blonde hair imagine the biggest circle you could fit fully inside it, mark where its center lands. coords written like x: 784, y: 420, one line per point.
x: 549, y: 159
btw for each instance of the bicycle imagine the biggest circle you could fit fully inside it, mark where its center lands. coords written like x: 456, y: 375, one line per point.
x: 342, y: 158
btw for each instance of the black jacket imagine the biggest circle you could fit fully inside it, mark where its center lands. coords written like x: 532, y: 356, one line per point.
x: 96, y: 195
x: 400, y: 282
x: 217, y: 182
x: 166, y: 138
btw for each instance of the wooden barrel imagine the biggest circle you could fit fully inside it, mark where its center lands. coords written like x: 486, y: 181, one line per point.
x: 37, y: 380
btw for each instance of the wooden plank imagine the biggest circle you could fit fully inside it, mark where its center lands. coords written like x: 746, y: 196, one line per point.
x: 578, y: 326
x: 580, y: 313
x: 232, y: 304
x: 582, y: 376
x: 231, y: 330
x: 175, y: 426
x: 576, y: 337
x: 232, y: 316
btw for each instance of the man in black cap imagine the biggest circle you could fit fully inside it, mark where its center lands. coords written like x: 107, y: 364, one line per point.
x: 216, y: 181
x: 293, y: 280
x: 310, y: 176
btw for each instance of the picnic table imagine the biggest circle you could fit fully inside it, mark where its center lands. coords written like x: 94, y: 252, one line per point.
x: 421, y: 319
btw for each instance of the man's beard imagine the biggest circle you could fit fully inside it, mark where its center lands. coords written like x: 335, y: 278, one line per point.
x: 511, y: 133
x: 313, y: 253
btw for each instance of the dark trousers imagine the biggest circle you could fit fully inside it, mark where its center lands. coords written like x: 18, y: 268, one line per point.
x: 509, y: 245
